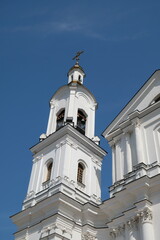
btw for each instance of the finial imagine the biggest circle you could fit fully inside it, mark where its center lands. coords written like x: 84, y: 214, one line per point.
x: 77, y: 56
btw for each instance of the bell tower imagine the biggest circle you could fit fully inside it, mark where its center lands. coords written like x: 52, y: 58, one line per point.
x: 68, y: 157
x: 65, y: 184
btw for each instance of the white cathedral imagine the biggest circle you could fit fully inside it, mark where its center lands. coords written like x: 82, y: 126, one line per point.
x: 64, y: 193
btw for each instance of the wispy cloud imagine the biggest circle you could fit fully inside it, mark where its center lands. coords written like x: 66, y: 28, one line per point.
x: 58, y: 28
x: 97, y: 26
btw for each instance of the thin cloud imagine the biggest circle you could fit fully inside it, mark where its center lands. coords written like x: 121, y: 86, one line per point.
x: 48, y: 27
x: 93, y: 26
x: 71, y: 27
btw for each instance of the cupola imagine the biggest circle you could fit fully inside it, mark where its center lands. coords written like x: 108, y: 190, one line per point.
x: 76, y: 74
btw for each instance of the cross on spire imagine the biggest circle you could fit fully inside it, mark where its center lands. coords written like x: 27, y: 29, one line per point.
x: 77, y: 56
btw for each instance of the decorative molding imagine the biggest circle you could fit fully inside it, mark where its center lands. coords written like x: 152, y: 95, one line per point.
x: 88, y: 236
x: 136, y: 122
x: 139, y: 166
x: 153, y: 164
x: 58, y: 179
x: 36, y: 159
x: 52, y: 182
x: 30, y: 194
x: 93, y: 108
x: 96, y: 161
x: 47, y: 231
x: 66, y: 178
x: 118, y: 231
x: 118, y: 183
x: 145, y: 215
x: 113, y: 233
x: 61, y: 144
x: 126, y: 136
x: 95, y: 198
x: 72, y: 182
x: 117, y: 139
x: 72, y: 144
x: 67, y: 141
x: 132, y: 223
x: 127, y: 130
x: 112, y: 144
x: 52, y: 105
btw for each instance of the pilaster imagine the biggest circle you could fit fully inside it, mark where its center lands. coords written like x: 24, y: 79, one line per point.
x: 127, y: 153
x: 138, y: 140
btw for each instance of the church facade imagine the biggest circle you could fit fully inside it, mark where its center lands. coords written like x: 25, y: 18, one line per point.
x: 63, y: 200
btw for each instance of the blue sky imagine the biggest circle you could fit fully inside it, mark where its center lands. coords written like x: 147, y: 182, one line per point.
x: 38, y: 39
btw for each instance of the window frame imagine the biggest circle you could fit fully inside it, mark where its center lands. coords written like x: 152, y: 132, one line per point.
x: 83, y: 173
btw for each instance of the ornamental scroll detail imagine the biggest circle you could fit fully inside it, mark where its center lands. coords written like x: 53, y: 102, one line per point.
x: 145, y: 215
x: 132, y: 224
x: 88, y: 236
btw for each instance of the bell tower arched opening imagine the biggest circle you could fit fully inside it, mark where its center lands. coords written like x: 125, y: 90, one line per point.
x: 81, y: 121
x: 60, y: 119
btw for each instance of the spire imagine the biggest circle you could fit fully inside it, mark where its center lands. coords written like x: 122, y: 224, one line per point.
x: 76, y: 73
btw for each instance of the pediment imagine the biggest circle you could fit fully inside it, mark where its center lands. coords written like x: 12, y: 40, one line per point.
x: 148, y: 94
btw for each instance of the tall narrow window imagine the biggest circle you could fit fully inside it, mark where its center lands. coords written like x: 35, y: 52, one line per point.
x: 79, y: 78
x: 80, y: 173
x: 60, y: 119
x: 49, y: 170
x: 81, y: 122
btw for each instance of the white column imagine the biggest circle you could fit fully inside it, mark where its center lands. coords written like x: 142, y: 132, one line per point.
x: 138, y: 142
x: 118, y: 161
x: 127, y: 154
x: 114, y: 177
x: 146, y: 227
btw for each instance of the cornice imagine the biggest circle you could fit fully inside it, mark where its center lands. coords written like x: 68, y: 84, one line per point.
x: 70, y: 131
x: 133, y: 120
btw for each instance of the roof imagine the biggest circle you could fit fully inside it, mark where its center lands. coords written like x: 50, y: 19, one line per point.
x: 76, y: 66
x: 132, y: 105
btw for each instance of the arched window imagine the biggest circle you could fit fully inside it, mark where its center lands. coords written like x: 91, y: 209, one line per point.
x: 60, y: 119
x: 81, y: 122
x: 80, y: 173
x: 49, y: 171
x: 79, y: 78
